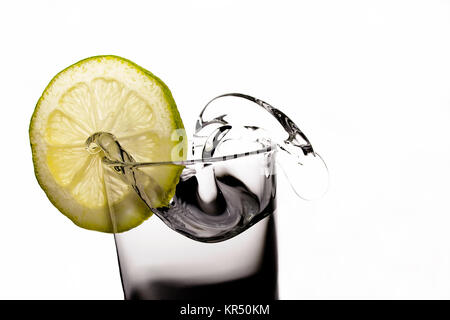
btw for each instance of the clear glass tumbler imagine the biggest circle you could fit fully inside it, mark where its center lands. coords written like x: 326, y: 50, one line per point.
x: 216, y: 239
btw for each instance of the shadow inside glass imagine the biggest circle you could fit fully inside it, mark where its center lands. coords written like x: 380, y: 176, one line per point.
x: 252, y: 268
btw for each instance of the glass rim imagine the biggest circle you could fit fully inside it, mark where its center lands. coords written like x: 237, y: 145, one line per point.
x: 265, y: 150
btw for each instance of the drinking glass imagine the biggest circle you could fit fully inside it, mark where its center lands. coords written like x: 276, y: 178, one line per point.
x: 217, y: 237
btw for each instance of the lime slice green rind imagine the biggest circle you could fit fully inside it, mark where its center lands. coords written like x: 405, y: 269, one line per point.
x: 130, y: 211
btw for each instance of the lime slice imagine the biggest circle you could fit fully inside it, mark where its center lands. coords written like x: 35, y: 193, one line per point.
x: 104, y: 94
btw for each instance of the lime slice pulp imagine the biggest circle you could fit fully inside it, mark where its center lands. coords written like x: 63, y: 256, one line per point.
x: 103, y: 94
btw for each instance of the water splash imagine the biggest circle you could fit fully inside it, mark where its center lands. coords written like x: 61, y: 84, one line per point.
x: 204, y: 209
x: 230, y: 185
x: 224, y: 118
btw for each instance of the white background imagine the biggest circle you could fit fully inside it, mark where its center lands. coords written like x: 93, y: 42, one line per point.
x: 367, y: 81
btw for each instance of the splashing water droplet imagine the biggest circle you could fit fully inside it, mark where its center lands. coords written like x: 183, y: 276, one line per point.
x: 223, y: 122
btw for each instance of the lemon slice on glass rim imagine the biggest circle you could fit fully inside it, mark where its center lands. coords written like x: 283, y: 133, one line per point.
x: 104, y: 94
